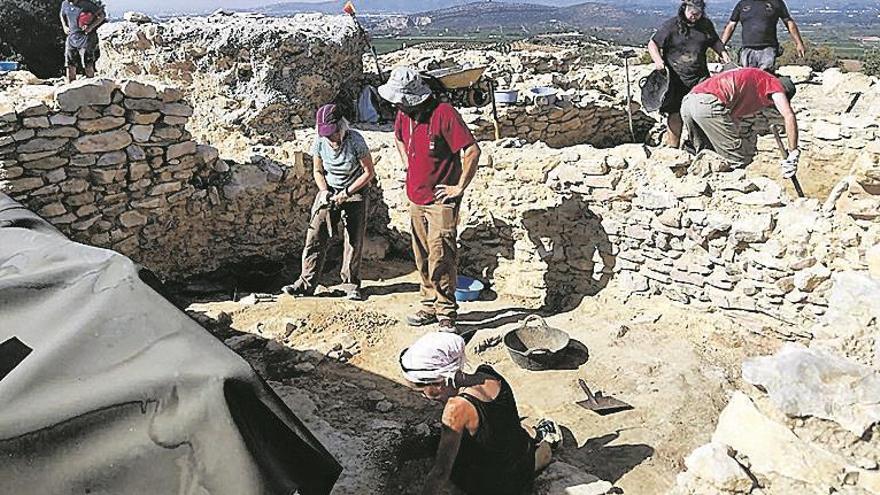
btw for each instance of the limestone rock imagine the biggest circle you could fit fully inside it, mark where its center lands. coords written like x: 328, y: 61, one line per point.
x: 135, y: 89
x: 797, y: 73
x: 872, y: 258
x: 137, y: 17
x: 654, y: 200
x: 752, y: 228
x: 771, y: 447
x: 561, y: 478
x: 807, y: 382
x: 84, y: 92
x: 104, y: 142
x: 714, y: 463
x: 810, y: 278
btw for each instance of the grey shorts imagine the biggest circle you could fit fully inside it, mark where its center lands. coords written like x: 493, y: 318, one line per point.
x: 80, y: 57
x: 762, y: 58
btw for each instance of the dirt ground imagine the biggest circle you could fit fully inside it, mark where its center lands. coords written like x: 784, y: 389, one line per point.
x: 675, y: 365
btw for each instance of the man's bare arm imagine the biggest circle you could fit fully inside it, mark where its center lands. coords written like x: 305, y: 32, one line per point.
x: 401, y: 150
x: 729, y: 29
x: 780, y: 101
x: 796, y: 36
x: 654, y: 51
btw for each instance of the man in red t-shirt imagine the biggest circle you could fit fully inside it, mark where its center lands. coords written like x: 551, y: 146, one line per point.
x: 712, y: 110
x: 440, y: 155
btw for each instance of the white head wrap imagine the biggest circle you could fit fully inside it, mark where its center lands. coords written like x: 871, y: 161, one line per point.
x: 433, y: 358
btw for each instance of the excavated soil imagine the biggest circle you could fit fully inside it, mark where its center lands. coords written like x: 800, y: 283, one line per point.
x: 335, y: 363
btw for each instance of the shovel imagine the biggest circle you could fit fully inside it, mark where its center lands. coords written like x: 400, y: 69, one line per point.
x: 784, y: 154
x: 599, y: 403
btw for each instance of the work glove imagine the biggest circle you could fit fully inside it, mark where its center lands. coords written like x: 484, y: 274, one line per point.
x: 789, y: 166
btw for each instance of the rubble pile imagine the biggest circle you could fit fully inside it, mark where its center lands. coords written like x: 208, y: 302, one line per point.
x: 809, y: 425
x: 254, y: 75
x: 112, y: 164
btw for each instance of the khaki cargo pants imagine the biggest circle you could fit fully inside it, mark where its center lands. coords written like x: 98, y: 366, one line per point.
x: 435, y: 249
x: 353, y: 216
x: 709, y: 126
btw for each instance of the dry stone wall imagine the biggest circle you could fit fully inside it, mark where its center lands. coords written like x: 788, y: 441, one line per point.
x: 244, y: 73
x: 590, y: 117
x: 112, y: 164
x: 552, y: 226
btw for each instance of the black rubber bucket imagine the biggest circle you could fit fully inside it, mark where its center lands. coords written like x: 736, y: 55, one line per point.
x: 536, y: 347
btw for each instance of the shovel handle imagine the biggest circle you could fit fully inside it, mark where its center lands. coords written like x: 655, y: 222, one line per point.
x: 586, y: 389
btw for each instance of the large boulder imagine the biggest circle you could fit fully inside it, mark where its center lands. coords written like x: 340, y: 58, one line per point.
x: 807, y: 382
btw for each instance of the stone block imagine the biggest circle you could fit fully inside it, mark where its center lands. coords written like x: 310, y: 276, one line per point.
x: 59, y: 132
x: 166, y: 188
x: 132, y: 218
x: 165, y: 133
x: 141, y: 133
x: 42, y: 145
x: 752, y: 228
x: 180, y: 149
x: 62, y: 119
x: 56, y: 176
x: 23, y: 135
x: 177, y: 109
x: 22, y: 185
x: 140, y: 118
x: 48, y: 163
x: 52, y: 210
x: 135, y: 89
x: 84, y: 92
x: 138, y: 170
x: 654, y: 200
x: 114, y: 111
x: 135, y: 153
x: 808, y: 279
x: 142, y: 105
x: 687, y: 278
x: 35, y: 122
x: 100, y: 124
x: 112, y: 159
x: 171, y: 94
x: 104, y: 142
x: 75, y: 186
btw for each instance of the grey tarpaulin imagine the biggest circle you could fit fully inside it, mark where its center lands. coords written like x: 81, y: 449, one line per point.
x: 107, y: 388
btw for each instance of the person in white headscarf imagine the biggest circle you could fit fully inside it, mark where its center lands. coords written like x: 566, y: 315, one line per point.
x: 483, y: 447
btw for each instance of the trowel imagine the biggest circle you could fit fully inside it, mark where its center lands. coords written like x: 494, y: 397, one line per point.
x: 599, y: 403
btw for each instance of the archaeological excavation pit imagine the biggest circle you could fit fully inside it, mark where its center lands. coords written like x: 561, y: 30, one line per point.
x: 736, y: 318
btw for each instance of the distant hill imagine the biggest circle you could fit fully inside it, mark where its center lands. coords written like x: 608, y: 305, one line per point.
x: 409, y: 6
x: 386, y: 6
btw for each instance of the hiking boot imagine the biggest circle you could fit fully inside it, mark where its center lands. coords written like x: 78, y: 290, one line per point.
x: 447, y: 325
x: 421, y: 318
x: 297, y: 289
x: 355, y: 295
x: 548, y: 431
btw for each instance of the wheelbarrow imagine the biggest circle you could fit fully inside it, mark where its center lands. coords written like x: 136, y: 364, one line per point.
x: 464, y: 87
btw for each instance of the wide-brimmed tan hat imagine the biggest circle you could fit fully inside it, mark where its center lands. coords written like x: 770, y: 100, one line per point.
x: 405, y: 87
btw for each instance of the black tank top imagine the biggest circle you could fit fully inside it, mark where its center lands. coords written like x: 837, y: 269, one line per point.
x: 499, y: 459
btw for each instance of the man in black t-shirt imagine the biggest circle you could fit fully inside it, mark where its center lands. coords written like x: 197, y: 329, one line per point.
x: 759, y: 19
x: 680, y: 46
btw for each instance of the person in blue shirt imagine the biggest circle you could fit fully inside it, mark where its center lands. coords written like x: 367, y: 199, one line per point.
x: 343, y: 169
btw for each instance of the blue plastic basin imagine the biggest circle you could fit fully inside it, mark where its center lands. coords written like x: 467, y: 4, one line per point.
x: 8, y: 66
x: 467, y: 289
